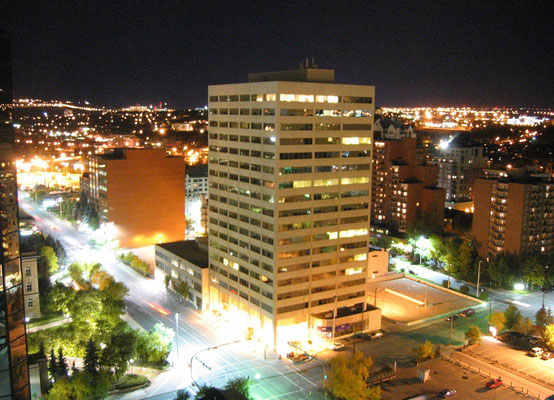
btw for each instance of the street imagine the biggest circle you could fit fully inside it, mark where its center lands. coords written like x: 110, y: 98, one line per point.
x: 194, y: 333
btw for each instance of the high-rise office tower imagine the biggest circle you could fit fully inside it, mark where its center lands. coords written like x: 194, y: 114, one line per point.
x: 290, y: 179
x: 14, y: 373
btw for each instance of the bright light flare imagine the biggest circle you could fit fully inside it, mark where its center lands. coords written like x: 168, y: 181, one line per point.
x: 158, y: 308
x: 519, y: 286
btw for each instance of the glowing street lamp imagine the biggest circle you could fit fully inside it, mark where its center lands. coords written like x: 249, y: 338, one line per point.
x: 519, y: 286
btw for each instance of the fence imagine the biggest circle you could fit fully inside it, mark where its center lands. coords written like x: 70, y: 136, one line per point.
x: 509, y: 368
x: 518, y: 389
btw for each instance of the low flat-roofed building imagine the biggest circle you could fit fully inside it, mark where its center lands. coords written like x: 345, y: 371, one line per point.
x: 187, y: 261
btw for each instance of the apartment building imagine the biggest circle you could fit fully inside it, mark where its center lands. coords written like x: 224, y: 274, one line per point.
x: 289, y: 202
x: 460, y: 160
x: 514, y: 215
x: 141, y: 192
x: 404, y: 187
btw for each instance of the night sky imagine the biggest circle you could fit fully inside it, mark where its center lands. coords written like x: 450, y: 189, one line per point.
x: 416, y: 53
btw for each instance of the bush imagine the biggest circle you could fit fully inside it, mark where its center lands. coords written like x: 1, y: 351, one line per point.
x: 133, y: 261
x: 129, y: 381
x: 464, y: 289
x: 445, y: 283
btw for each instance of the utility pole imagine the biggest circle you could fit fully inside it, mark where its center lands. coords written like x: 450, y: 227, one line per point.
x: 451, y: 326
x: 478, y: 277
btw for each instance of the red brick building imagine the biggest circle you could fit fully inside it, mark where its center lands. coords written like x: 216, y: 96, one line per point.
x: 404, y: 186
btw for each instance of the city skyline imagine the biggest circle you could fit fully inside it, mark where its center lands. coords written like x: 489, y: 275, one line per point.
x: 415, y: 54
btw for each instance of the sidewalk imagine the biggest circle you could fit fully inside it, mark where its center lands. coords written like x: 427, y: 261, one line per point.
x: 50, y: 325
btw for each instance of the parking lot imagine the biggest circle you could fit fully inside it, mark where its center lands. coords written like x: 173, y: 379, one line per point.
x: 403, y: 300
x: 445, y: 375
x: 504, y: 354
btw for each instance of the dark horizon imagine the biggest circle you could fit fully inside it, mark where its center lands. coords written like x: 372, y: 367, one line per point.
x: 416, y: 54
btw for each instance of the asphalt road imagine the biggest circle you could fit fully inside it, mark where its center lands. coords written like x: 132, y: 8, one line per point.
x: 271, y: 379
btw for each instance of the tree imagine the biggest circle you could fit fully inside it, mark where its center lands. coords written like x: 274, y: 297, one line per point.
x: 473, y: 334
x: 91, y: 358
x: 348, y: 375
x: 548, y: 336
x: 205, y: 391
x: 513, y: 317
x: 50, y: 257
x: 424, y: 351
x: 120, y: 348
x: 60, y: 298
x: 498, y: 320
x: 101, y: 279
x: 53, y: 365
x: 61, y: 364
x: 182, y: 395
x: 154, y: 346
x: 525, y: 326
x: 61, y: 389
x: 240, y: 384
x: 534, y: 272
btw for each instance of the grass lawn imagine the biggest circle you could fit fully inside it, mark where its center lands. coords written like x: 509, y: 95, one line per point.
x: 45, y: 319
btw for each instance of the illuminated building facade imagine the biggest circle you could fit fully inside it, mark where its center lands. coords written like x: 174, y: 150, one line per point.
x: 459, y: 161
x: 514, y: 215
x: 404, y: 188
x: 290, y: 173
x: 14, y: 372
x: 140, y: 191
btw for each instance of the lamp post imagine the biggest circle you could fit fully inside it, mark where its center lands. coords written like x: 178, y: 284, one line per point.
x: 177, y: 332
x: 478, y: 277
x: 131, y: 362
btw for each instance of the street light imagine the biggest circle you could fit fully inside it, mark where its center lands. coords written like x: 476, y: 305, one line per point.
x: 478, y: 277
x: 131, y: 362
x: 177, y: 333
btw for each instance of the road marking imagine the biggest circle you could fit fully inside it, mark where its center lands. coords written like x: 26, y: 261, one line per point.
x: 302, y: 376
x: 519, y: 303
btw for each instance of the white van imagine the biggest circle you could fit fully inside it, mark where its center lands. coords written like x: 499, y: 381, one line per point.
x: 535, y: 352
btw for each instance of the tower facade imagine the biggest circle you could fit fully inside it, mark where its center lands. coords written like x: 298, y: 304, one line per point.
x: 14, y: 372
x: 289, y: 175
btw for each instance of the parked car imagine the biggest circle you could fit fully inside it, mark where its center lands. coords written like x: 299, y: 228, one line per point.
x: 337, y: 346
x: 494, y: 383
x: 455, y: 316
x: 535, y: 352
x: 447, y: 393
x: 547, y: 355
x: 468, y: 313
x: 376, y: 335
x: 534, y: 339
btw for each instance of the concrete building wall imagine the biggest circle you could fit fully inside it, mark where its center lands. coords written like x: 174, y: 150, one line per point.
x: 399, y: 180
x: 514, y: 216
x: 144, y: 197
x: 515, y: 209
x: 30, y: 286
x: 290, y: 173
